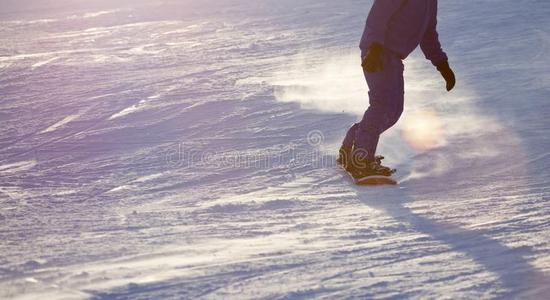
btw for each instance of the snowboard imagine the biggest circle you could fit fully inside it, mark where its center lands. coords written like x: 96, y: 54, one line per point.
x: 371, y: 180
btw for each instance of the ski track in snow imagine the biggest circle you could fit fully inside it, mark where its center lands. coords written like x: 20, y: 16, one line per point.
x: 186, y: 150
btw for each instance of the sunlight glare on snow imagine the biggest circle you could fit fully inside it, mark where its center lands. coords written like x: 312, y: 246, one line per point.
x: 423, y: 129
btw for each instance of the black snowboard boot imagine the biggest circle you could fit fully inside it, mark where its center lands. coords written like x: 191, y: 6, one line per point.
x: 344, y: 157
x: 361, y: 168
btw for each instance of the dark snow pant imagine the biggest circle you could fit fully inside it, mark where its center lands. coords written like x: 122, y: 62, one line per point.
x: 386, y: 97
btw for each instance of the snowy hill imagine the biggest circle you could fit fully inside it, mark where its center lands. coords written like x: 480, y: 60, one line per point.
x: 185, y: 149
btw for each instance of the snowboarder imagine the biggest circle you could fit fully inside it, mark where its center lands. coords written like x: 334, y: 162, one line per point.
x: 394, y: 28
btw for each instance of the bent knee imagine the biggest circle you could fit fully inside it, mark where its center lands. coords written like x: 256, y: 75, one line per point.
x: 395, y: 116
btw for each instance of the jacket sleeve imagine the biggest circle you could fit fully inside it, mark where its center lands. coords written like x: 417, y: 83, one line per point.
x: 377, y: 22
x: 430, y: 44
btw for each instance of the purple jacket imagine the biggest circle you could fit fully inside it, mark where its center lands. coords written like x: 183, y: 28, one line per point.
x: 402, y: 25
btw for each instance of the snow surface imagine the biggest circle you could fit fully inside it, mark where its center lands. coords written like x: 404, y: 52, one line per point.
x: 185, y: 149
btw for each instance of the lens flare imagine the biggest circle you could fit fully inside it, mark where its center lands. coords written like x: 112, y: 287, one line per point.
x: 423, y: 129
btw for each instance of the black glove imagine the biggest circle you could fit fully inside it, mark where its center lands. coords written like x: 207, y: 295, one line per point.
x: 447, y: 74
x: 374, y: 60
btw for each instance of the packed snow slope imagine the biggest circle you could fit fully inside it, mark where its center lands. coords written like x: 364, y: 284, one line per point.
x: 185, y: 149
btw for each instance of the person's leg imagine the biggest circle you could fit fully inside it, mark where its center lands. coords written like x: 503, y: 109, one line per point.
x: 346, y: 149
x: 349, y: 140
x: 386, y: 96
